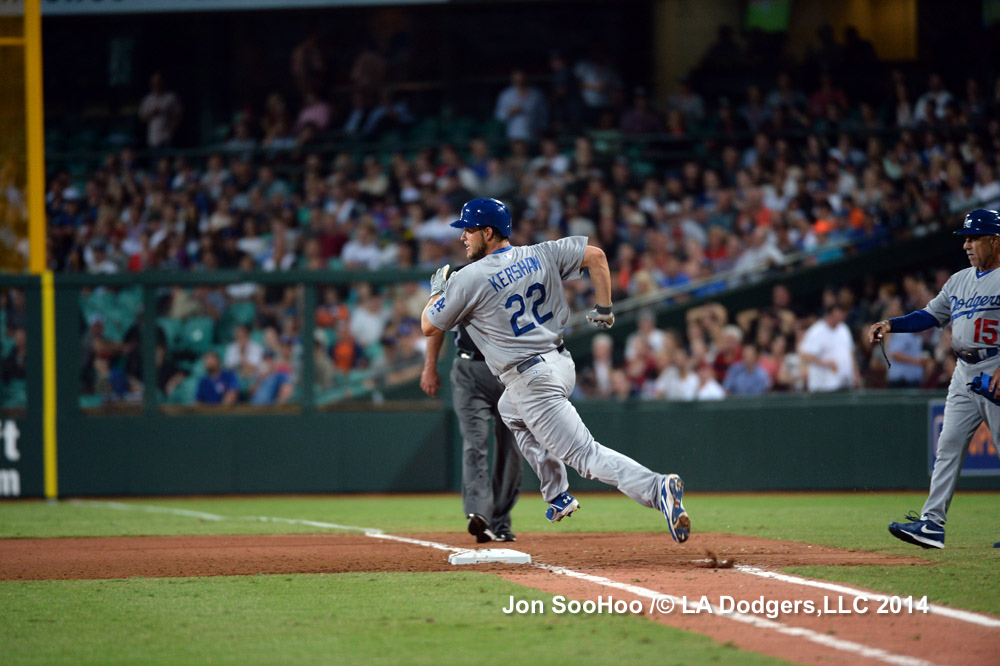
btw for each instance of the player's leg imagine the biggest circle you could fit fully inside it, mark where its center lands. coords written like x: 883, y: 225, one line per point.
x: 507, y: 462
x: 548, y: 468
x: 962, y: 416
x: 508, y: 467
x: 473, y: 410
x: 555, y: 423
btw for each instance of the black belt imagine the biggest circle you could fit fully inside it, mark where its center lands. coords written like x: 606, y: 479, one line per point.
x: 471, y: 356
x: 534, y: 360
x: 977, y: 355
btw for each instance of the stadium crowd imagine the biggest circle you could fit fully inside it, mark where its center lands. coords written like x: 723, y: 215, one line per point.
x: 783, y: 347
x: 797, y: 170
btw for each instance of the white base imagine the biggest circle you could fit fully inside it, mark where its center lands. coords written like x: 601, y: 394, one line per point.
x: 490, y: 556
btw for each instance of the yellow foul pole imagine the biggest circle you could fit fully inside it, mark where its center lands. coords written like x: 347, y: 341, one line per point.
x: 37, y: 228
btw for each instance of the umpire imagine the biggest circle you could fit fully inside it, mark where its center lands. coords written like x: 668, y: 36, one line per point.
x: 487, y: 501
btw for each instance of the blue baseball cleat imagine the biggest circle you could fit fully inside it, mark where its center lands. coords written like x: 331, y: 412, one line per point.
x: 920, y: 531
x: 561, y: 507
x: 671, y: 492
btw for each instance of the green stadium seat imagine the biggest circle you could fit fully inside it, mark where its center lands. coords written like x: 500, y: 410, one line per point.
x: 91, y: 401
x: 185, y: 392
x: 14, y: 394
x: 171, y: 330
x: 130, y: 299
x: 197, y: 334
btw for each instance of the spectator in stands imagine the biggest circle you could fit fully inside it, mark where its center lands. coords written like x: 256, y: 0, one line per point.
x: 786, y: 96
x: 169, y: 375
x: 565, y: 105
x: 688, y: 102
x: 243, y: 355
x: 369, y: 318
x: 14, y: 366
x: 647, y: 335
x: 905, y: 352
x: 727, y: 345
x: 521, y: 108
x: 362, y: 251
x: 325, y: 372
x: 827, y: 352
x: 596, y: 379
x: 755, y: 113
x: 218, y: 386
x: 987, y: 187
x: 347, y: 353
x: 161, y: 112
x: 641, y: 118
x: 708, y: 386
x: 931, y: 106
x: 276, y: 381
x: 308, y: 66
x: 599, y: 82
x: 747, y: 377
x: 314, y: 118
x: 826, y: 95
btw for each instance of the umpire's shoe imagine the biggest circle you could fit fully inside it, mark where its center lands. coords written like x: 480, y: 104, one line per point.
x: 561, y: 507
x: 919, y: 531
x: 479, y: 527
x: 671, y: 494
x: 505, y: 535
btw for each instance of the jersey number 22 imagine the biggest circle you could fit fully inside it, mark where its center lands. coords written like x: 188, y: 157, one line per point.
x: 518, y: 300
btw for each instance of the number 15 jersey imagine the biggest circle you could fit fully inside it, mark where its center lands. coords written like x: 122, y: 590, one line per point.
x: 970, y: 300
x: 512, y: 301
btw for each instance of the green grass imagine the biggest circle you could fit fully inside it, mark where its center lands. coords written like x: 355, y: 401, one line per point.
x: 370, y: 619
x: 966, y: 575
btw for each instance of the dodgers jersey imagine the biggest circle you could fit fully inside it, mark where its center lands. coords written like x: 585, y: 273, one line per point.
x: 512, y: 301
x: 970, y: 300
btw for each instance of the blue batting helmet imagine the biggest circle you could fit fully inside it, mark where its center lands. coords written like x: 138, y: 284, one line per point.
x: 486, y: 212
x: 981, y: 222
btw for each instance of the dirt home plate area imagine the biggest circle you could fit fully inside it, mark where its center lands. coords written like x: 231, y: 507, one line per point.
x: 632, y: 568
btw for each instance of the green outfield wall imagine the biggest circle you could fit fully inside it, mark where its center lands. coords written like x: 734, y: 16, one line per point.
x: 405, y: 443
x: 844, y: 441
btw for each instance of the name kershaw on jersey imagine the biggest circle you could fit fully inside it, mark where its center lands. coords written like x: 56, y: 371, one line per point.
x: 514, y: 272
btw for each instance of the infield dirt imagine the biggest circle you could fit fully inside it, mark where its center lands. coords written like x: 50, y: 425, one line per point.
x: 652, y: 561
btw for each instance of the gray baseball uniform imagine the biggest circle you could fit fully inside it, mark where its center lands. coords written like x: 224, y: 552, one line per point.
x: 475, y: 393
x: 513, y: 306
x: 970, y: 300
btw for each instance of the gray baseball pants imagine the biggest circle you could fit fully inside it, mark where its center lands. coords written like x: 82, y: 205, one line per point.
x: 550, y: 432
x: 963, y: 412
x: 475, y: 392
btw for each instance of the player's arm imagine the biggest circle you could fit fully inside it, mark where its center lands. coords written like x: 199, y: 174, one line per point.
x: 429, y: 329
x: 916, y: 321
x: 438, y: 281
x: 430, y: 382
x: 596, y: 262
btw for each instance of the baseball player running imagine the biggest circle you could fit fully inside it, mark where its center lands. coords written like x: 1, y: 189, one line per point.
x: 970, y: 300
x: 512, y: 303
x: 475, y: 393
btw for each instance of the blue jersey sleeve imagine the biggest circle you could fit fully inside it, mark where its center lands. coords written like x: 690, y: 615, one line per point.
x: 919, y: 320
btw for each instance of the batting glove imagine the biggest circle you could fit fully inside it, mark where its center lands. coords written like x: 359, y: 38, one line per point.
x: 438, y: 279
x: 601, y: 317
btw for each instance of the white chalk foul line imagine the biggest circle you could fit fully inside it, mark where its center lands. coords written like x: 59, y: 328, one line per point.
x: 944, y: 611
x: 752, y: 620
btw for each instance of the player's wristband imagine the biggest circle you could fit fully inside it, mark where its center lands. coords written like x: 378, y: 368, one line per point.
x: 602, y: 309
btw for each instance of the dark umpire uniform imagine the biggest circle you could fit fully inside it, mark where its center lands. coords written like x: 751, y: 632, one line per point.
x: 487, y: 499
